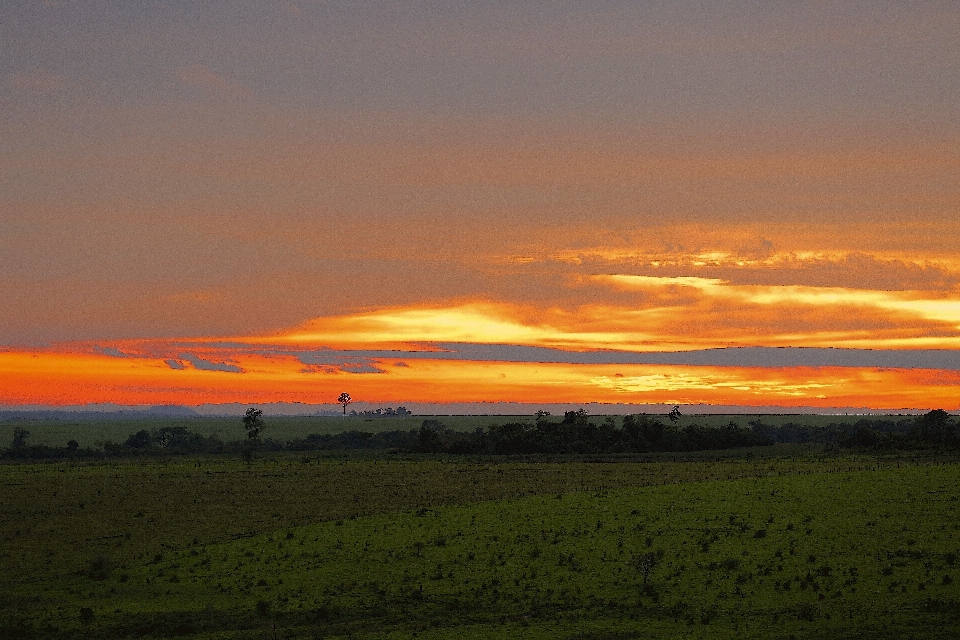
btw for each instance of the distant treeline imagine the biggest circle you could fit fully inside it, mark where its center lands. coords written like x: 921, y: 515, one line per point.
x: 575, y: 433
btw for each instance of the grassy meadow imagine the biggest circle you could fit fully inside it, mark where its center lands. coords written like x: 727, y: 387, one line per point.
x: 788, y: 543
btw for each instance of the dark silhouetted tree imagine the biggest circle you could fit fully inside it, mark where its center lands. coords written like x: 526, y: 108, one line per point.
x: 934, y: 428
x: 139, y: 440
x: 344, y: 399
x: 19, y: 438
x: 645, y: 564
x: 674, y: 414
x: 253, y: 423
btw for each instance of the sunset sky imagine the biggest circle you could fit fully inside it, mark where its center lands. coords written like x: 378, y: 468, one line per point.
x: 719, y: 203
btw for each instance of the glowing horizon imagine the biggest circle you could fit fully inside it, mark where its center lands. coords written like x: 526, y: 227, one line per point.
x: 393, y: 354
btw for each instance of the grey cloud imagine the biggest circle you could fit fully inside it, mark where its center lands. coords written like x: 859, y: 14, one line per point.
x: 733, y: 356
x: 371, y: 360
x: 175, y: 364
x: 324, y: 357
x: 207, y: 365
x: 112, y: 352
x: 360, y: 367
x: 331, y: 363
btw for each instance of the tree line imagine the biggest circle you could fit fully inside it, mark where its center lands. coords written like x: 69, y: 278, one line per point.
x: 575, y: 433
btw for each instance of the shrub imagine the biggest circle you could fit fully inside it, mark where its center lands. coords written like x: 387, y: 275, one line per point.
x: 100, y: 567
x: 730, y: 564
x: 19, y: 438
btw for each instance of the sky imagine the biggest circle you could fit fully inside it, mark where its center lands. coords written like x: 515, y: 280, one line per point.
x: 718, y: 203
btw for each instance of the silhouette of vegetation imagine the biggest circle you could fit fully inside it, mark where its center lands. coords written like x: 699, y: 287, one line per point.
x: 389, y: 412
x: 344, y: 399
x: 576, y: 433
x: 253, y: 423
x: 19, y: 438
x: 675, y: 414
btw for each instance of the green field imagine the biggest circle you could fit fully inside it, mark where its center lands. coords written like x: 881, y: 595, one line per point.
x: 769, y: 546
x: 56, y: 433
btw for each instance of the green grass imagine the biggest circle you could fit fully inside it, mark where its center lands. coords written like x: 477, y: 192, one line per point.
x: 55, y: 516
x: 755, y: 548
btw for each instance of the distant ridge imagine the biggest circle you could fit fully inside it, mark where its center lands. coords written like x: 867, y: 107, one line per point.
x: 160, y: 411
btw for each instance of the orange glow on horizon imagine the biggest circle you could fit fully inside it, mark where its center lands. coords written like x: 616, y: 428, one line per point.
x: 57, y: 378
x: 630, y: 313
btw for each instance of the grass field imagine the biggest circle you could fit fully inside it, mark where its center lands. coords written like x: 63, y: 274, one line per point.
x: 56, y: 433
x: 765, y: 547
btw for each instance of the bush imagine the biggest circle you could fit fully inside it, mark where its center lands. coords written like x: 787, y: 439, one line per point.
x: 19, y: 438
x: 100, y: 567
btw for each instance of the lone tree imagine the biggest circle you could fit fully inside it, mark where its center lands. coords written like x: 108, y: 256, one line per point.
x: 253, y: 423
x: 344, y: 399
x: 674, y: 414
x: 645, y: 564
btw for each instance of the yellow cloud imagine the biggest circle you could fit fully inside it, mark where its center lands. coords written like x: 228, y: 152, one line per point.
x: 476, y: 323
x: 900, y: 302
x: 687, y: 382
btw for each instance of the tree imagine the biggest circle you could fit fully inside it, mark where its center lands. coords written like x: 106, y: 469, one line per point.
x: 139, y: 440
x: 674, y: 414
x: 936, y: 427
x: 19, y: 438
x: 253, y: 423
x: 645, y: 564
x: 344, y: 399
